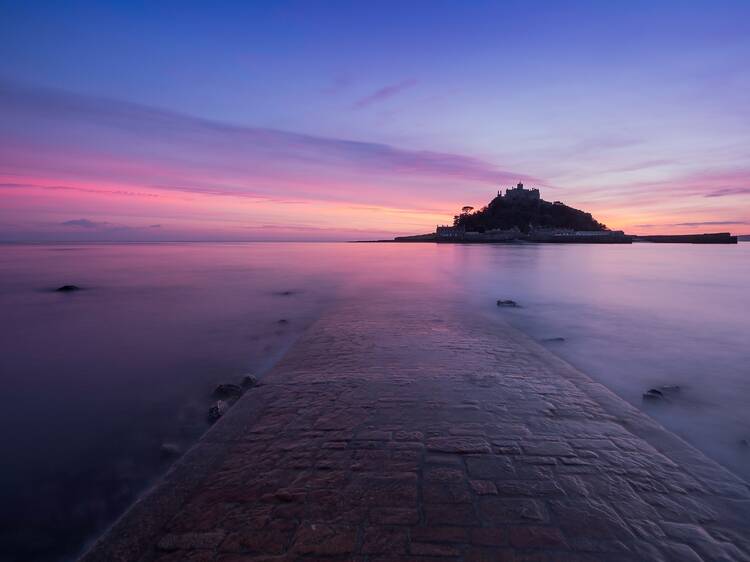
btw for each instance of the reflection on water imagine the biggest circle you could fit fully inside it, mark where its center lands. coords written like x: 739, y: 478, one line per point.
x: 95, y: 381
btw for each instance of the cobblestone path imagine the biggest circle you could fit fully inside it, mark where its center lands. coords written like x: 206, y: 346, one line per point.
x: 397, y: 433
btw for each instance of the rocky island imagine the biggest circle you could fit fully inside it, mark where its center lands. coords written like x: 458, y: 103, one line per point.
x: 521, y: 215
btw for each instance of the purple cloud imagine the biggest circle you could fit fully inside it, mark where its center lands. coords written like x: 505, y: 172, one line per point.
x: 384, y: 93
x: 729, y: 191
x: 85, y: 223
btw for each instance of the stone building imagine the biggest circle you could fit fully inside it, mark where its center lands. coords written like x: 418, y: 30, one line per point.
x: 451, y: 232
x: 519, y: 193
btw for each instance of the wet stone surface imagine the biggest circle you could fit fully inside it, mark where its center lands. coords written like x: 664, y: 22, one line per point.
x: 379, y: 437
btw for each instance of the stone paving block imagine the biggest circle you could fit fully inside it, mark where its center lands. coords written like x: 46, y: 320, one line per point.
x: 537, y: 537
x: 497, y: 510
x: 445, y: 475
x: 529, y: 488
x: 442, y: 459
x: 445, y: 492
x: 489, y: 554
x: 450, y: 514
x: 432, y: 549
x: 393, y: 490
x: 439, y: 534
x: 242, y: 516
x: 461, y: 445
x: 322, y: 539
x: 489, y: 536
x: 483, y: 487
x: 548, y: 448
x: 272, y: 539
x: 490, y: 467
x: 394, y: 516
x: 385, y: 540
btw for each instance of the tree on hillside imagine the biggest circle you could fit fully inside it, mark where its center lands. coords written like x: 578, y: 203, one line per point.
x: 465, y: 212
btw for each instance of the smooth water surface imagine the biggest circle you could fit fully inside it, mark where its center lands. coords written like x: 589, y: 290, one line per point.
x: 93, y: 382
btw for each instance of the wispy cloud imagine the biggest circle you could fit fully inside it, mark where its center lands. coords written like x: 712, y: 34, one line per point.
x: 339, y: 83
x: 85, y: 223
x: 692, y: 224
x: 710, y: 223
x: 125, y: 193
x: 642, y: 165
x: 384, y: 93
x: 724, y: 192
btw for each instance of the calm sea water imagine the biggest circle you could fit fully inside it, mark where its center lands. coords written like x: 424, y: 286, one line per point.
x: 94, y: 382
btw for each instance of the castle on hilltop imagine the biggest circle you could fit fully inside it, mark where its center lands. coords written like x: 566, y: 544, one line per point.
x: 520, y: 194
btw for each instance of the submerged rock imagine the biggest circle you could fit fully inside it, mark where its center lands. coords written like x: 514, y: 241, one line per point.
x: 507, y: 303
x: 228, y: 391
x: 554, y: 339
x: 283, y: 321
x: 218, y: 409
x: 249, y: 381
x: 653, y: 395
x: 284, y: 293
x: 67, y: 289
x: 170, y: 450
x: 661, y: 394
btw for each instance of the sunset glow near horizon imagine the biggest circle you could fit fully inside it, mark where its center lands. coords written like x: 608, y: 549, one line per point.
x: 344, y: 120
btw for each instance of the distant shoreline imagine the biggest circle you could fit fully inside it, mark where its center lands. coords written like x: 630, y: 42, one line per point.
x: 615, y: 238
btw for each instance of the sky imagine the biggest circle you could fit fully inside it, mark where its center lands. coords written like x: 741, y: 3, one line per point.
x: 329, y: 120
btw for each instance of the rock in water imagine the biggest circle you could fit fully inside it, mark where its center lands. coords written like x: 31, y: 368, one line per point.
x: 670, y: 388
x: 507, y: 303
x: 653, y: 395
x: 67, y: 289
x: 249, y: 381
x: 228, y: 391
x: 217, y: 410
x: 554, y: 339
x: 169, y: 450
